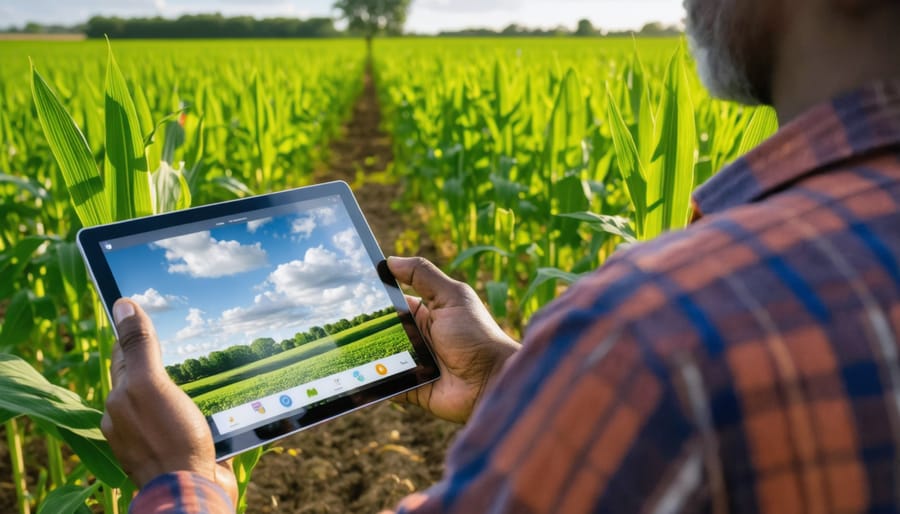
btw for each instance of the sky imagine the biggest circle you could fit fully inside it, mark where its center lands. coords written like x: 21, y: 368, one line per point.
x: 426, y: 16
x: 269, y: 277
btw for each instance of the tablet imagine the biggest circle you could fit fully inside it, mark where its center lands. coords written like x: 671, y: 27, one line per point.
x: 274, y: 312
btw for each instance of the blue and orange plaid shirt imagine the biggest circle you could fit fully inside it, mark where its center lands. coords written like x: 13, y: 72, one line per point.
x: 746, y: 364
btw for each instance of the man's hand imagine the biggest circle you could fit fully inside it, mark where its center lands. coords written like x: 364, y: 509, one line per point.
x: 469, y: 345
x: 151, y: 424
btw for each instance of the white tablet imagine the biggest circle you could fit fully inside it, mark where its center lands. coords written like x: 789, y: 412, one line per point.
x: 274, y: 312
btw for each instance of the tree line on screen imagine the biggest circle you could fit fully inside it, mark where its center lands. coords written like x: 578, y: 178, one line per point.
x: 261, y: 348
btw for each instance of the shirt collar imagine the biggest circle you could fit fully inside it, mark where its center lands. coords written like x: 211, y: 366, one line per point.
x: 850, y: 126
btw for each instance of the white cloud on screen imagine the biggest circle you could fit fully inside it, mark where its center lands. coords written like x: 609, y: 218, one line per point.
x: 199, y: 255
x: 348, y: 242
x: 196, y: 325
x: 303, y: 226
x: 320, y: 288
x: 152, y: 300
x: 253, y: 226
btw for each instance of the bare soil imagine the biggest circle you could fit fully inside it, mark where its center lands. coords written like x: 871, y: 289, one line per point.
x: 368, y: 460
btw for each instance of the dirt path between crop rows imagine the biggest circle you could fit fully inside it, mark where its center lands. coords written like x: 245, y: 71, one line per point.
x: 368, y: 460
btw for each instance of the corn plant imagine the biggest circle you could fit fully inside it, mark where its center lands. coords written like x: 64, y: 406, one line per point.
x: 537, y: 163
x: 82, y: 153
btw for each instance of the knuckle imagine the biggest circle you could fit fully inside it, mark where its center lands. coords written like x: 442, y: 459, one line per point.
x: 115, y: 402
x: 106, y: 426
x: 134, y: 336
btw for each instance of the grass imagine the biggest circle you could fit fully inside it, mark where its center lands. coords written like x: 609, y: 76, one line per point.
x: 374, y: 346
x: 283, y: 359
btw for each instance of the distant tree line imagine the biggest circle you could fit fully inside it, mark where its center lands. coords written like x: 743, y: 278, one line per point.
x: 239, y: 355
x: 222, y: 27
x: 584, y: 28
x: 209, y: 26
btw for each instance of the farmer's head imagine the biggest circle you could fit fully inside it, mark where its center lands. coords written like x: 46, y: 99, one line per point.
x: 747, y: 49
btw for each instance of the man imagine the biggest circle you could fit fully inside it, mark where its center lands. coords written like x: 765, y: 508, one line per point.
x: 746, y: 364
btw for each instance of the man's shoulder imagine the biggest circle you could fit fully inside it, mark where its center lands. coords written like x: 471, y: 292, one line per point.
x: 690, y: 284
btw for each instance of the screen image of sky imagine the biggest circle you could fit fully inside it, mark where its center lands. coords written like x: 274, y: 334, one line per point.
x: 270, y: 277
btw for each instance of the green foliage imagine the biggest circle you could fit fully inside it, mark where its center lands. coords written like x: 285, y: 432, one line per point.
x: 263, y: 378
x: 536, y: 162
x: 168, y: 127
x: 373, y: 17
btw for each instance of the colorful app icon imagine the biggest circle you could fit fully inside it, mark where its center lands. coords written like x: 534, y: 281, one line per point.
x: 381, y: 369
x: 359, y: 376
x: 258, y: 407
x: 312, y: 392
x: 285, y: 400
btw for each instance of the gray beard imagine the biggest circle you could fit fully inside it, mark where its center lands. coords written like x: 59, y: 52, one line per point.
x: 722, y: 72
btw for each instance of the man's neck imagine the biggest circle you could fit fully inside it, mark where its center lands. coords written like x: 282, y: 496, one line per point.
x: 824, y: 56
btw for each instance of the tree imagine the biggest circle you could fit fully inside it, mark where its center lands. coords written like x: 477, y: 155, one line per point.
x: 264, y: 347
x: 585, y: 28
x: 373, y: 17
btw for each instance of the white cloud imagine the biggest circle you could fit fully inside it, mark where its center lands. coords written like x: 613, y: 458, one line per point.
x: 320, y: 288
x: 152, y: 301
x: 195, y: 327
x: 348, y: 242
x: 253, y: 225
x: 202, y: 256
x: 303, y: 226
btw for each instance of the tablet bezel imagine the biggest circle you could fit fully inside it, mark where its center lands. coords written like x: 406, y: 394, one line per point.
x: 426, y: 370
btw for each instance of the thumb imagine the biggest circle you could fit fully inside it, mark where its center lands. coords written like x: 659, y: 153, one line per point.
x: 427, y: 279
x: 137, y: 352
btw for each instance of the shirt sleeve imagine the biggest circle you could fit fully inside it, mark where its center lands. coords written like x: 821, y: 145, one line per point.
x: 584, y: 419
x: 181, y: 492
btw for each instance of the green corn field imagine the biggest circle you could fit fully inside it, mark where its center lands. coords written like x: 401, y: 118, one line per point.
x: 529, y: 162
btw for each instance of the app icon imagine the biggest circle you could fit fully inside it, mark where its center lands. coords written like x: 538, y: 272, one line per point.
x: 285, y: 400
x: 312, y: 392
x: 258, y: 407
x: 359, y: 376
x: 381, y: 369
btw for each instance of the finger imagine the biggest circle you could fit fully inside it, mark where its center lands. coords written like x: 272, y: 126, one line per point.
x: 412, y: 302
x: 422, y: 275
x: 117, y: 365
x: 139, y: 347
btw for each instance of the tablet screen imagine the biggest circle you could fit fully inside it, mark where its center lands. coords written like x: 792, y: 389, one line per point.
x: 267, y: 314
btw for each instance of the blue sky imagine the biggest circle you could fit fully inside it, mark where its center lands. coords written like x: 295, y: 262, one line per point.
x: 271, y: 277
x: 426, y: 16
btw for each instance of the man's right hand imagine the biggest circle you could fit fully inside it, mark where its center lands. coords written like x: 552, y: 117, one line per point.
x: 469, y: 345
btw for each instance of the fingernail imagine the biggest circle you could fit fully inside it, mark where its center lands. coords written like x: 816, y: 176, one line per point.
x: 122, y: 311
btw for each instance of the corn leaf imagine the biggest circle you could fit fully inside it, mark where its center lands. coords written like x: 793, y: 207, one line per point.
x: 545, y: 275
x: 170, y: 189
x: 60, y: 412
x: 497, y: 294
x: 19, y: 319
x: 469, y: 253
x: 669, y: 191
x: 126, y: 173
x: 72, y: 154
x: 762, y: 124
x: 68, y: 499
x: 629, y: 162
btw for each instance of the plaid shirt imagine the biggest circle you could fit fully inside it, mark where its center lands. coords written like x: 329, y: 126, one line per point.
x: 747, y: 364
